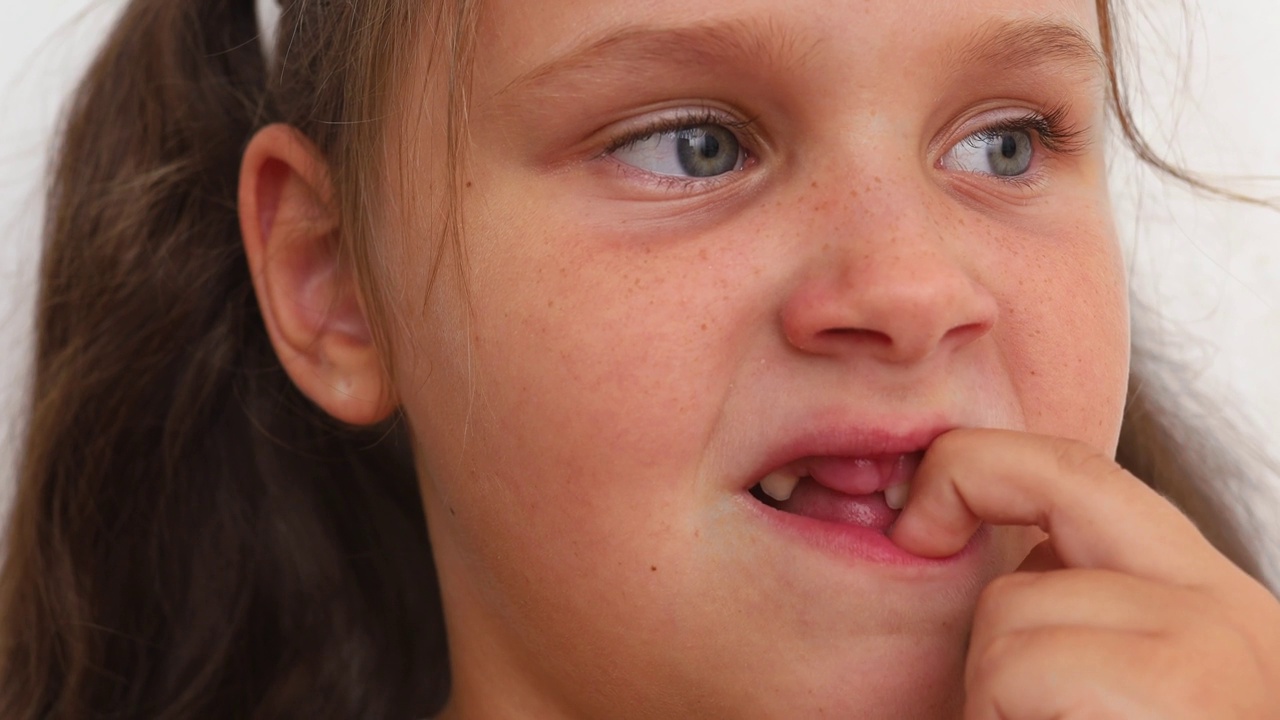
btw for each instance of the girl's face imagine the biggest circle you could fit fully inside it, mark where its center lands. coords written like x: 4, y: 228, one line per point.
x: 711, y: 241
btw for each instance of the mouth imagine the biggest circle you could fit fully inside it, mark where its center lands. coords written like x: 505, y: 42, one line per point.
x: 865, y: 492
x: 839, y: 489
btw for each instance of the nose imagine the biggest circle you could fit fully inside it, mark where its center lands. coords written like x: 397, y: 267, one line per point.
x: 899, y: 299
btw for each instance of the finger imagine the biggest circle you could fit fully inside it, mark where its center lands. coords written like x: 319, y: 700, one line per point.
x: 1064, y: 671
x: 1095, y: 513
x: 1097, y: 599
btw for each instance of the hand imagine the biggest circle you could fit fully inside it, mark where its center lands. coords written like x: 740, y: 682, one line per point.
x: 1126, y: 611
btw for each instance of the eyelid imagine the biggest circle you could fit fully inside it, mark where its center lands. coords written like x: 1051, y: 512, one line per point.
x: 744, y: 129
x: 1052, y: 128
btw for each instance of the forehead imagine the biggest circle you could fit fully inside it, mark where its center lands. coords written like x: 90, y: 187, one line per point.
x: 523, y: 43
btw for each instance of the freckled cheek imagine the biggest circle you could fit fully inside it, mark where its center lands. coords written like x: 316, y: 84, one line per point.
x: 587, y: 381
x: 584, y: 433
x: 1068, y: 317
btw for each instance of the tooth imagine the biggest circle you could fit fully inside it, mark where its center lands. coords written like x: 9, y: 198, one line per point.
x: 779, y: 486
x: 896, y: 496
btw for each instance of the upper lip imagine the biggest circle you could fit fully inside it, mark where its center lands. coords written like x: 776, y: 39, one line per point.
x: 851, y: 440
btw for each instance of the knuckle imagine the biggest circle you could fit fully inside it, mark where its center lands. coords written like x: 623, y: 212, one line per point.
x: 1000, y: 666
x: 1003, y: 650
x: 1077, y: 458
x: 1004, y: 592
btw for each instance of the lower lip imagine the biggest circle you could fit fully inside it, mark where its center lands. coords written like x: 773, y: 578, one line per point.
x: 864, y: 544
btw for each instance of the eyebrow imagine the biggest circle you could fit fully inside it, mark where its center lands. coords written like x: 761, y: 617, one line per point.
x: 686, y: 45
x: 1017, y: 43
x: 1031, y: 43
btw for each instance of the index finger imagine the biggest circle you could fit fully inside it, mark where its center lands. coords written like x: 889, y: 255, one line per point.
x: 1095, y: 513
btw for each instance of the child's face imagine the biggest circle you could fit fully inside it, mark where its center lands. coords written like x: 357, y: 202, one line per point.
x: 887, y: 238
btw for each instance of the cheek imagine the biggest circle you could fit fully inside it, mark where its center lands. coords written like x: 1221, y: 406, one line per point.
x: 1066, y: 317
x: 561, y: 436
x: 559, y: 414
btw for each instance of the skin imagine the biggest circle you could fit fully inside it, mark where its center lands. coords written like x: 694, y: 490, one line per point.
x: 619, y: 354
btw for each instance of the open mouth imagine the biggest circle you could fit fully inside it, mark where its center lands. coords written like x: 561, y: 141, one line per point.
x: 866, y: 492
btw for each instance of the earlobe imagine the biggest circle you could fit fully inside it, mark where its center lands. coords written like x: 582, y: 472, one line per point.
x: 308, y: 293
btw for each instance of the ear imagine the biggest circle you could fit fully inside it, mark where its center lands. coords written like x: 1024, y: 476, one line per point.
x: 309, y: 296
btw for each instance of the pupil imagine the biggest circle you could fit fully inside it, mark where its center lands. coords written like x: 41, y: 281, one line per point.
x: 710, y: 146
x: 1009, y: 147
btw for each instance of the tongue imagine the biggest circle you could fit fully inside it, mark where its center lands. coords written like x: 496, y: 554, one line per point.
x: 811, y: 499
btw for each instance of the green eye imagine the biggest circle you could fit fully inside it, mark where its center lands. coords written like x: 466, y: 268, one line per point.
x: 699, y: 151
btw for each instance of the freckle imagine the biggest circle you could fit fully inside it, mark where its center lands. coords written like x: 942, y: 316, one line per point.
x: 702, y: 254
x: 468, y: 183
x: 551, y: 303
x: 879, y: 181
x: 704, y: 327
x: 853, y: 192
x: 697, y: 533
x: 813, y: 184
x: 653, y: 568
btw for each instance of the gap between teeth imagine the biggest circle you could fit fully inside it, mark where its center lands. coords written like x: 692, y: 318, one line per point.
x: 780, y: 486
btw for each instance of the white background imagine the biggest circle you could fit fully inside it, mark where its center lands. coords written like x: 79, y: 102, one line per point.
x: 1209, y: 80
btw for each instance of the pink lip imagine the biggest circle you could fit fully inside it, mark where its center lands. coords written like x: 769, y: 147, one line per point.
x: 862, y: 543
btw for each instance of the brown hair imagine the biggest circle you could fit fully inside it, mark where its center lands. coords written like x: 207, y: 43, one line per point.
x: 191, y: 537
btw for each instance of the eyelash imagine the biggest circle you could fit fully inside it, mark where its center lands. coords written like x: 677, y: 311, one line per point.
x: 685, y: 119
x: 1051, y: 128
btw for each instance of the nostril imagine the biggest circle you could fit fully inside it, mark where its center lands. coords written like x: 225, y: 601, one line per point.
x: 857, y: 334
x: 841, y: 340
x: 965, y: 334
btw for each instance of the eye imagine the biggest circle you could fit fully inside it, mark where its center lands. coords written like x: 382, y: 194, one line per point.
x: 694, y: 151
x: 1002, y: 153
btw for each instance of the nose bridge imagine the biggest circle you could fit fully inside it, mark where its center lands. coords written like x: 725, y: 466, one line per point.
x: 888, y: 277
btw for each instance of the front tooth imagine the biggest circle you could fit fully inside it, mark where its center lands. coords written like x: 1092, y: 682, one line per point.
x: 896, y: 496
x: 779, y: 486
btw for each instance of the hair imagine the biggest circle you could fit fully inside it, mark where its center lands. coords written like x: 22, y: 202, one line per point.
x: 191, y: 537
